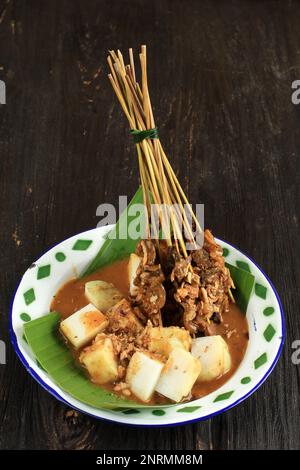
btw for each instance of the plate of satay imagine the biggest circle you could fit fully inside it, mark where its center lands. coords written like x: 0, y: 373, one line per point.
x: 149, y: 321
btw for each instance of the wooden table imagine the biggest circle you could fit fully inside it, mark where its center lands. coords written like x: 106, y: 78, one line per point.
x: 220, y: 76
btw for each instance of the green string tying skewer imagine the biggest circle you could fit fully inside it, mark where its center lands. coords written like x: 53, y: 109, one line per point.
x: 139, y: 136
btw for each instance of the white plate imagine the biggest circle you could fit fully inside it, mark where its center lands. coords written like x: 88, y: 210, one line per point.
x: 264, y: 315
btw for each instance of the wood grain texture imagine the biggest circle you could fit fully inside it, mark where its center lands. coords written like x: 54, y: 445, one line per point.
x: 220, y: 78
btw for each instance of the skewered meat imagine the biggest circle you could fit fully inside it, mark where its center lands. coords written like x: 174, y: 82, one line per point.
x: 202, y: 284
x: 147, y: 251
x: 149, y: 293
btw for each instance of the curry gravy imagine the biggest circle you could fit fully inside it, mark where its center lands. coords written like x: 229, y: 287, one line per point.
x: 71, y: 297
x: 234, y: 329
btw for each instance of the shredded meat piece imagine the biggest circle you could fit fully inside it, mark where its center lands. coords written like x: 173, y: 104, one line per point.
x: 150, y: 296
x: 124, y: 347
x: 180, y: 270
x: 144, y: 339
x: 146, y: 249
x: 215, y: 251
x: 202, y: 284
x: 139, y: 314
x: 123, y: 318
x: 187, y: 296
x: 201, y: 259
x: 127, y: 352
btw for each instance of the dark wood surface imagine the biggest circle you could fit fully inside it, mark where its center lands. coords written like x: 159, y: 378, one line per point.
x: 220, y: 78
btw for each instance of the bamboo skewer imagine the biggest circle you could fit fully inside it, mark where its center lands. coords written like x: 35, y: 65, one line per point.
x: 157, y: 175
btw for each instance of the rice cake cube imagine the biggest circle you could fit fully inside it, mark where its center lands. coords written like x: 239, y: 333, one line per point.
x: 163, y: 340
x: 179, y: 375
x: 100, y: 360
x: 102, y: 294
x: 142, y: 375
x: 213, y: 353
x: 82, y: 326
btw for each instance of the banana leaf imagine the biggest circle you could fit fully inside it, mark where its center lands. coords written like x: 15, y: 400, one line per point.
x: 118, y: 243
x: 244, y: 282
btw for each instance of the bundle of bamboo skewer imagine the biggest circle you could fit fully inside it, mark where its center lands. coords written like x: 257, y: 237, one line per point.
x: 159, y: 182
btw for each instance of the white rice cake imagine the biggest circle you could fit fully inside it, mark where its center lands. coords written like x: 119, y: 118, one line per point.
x: 179, y: 375
x: 103, y: 295
x: 81, y: 327
x: 142, y: 375
x: 213, y: 353
x: 163, y: 340
x: 100, y: 360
